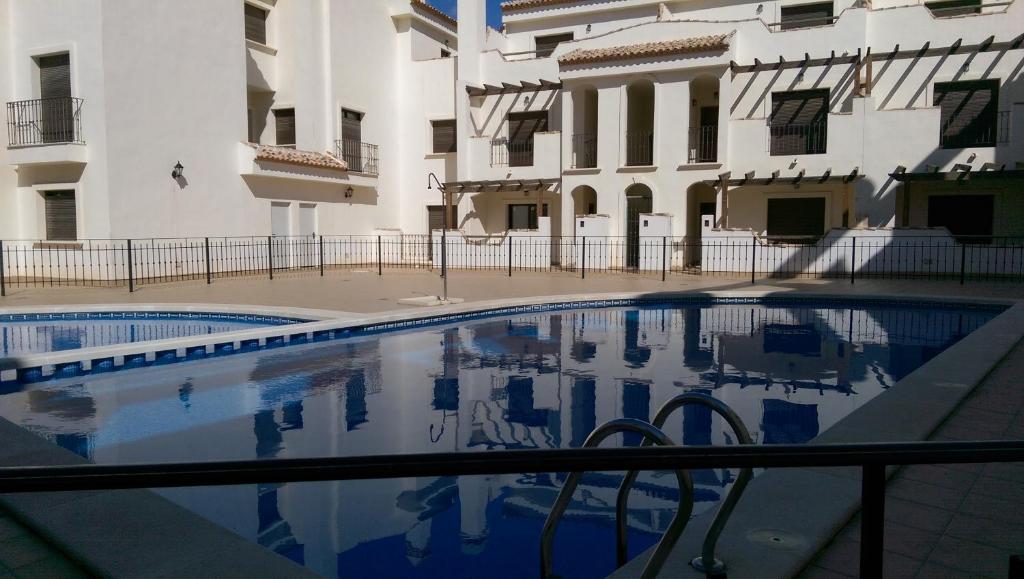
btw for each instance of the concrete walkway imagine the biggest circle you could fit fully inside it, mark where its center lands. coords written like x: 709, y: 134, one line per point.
x: 952, y: 521
x: 24, y: 554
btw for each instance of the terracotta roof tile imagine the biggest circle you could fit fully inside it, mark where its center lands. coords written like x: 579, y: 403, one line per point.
x: 513, y: 5
x: 296, y: 157
x: 429, y: 8
x: 646, y: 50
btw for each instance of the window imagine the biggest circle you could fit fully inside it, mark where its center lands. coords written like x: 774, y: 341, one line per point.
x: 545, y: 45
x: 799, y: 122
x: 445, y: 136
x: 521, y: 129
x: 805, y: 15
x: 943, y: 8
x: 962, y: 215
x: 351, y: 139
x: 61, y: 216
x: 796, y: 217
x: 969, y: 113
x: 285, y: 122
x: 255, y: 24
x: 524, y: 216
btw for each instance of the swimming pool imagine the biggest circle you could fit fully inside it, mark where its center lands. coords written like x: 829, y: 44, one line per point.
x: 533, y: 380
x: 22, y: 334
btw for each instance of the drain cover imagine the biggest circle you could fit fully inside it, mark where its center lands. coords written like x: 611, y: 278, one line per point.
x: 777, y: 539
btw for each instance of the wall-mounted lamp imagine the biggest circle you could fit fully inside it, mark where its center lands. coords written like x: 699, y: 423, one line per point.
x: 178, y: 171
x: 760, y: 8
x: 349, y: 192
x: 589, y: 27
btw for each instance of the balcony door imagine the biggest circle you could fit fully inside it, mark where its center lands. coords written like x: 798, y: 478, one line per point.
x: 799, y: 122
x: 57, y: 112
x: 351, y: 139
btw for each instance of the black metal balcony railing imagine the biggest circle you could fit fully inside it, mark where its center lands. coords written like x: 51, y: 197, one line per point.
x: 515, y: 153
x: 584, y: 151
x: 49, y: 121
x: 639, y: 149
x: 798, y: 139
x: 978, y: 134
x: 360, y: 157
x: 703, y: 144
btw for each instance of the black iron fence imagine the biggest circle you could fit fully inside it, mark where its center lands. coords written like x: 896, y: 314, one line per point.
x: 809, y: 139
x: 584, y: 151
x: 48, y: 121
x: 703, y: 144
x: 134, y: 262
x: 360, y: 157
x: 871, y: 458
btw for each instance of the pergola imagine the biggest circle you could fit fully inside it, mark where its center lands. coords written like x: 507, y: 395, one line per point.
x: 960, y: 172
x: 507, y: 88
x: 499, y: 186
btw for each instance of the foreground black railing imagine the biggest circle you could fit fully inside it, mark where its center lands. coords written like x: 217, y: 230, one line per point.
x: 871, y: 458
x: 130, y: 263
x: 49, y: 121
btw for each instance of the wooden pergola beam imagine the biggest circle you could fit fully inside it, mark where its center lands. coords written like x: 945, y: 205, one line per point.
x: 853, y: 175
x: 825, y: 176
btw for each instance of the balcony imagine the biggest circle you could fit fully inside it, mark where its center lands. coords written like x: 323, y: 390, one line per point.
x: 798, y: 139
x: 42, y: 131
x: 639, y: 149
x: 703, y: 144
x: 983, y: 135
x: 506, y: 153
x: 360, y: 157
x: 584, y: 151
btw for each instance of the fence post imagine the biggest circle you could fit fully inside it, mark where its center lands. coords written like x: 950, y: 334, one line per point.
x: 963, y: 261
x: 380, y: 261
x: 753, y: 260
x: 872, y: 523
x: 209, y: 278
x: 853, y: 260
x: 321, y: 256
x: 510, y: 241
x: 3, y: 282
x: 131, y: 276
x: 664, y: 256
x: 270, y: 256
x: 583, y: 259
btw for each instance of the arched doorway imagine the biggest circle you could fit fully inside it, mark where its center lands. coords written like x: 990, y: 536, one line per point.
x: 639, y: 199
x: 584, y: 130
x: 640, y: 123
x: 703, y: 137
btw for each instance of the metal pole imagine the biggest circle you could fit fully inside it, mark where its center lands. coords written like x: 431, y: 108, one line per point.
x: 853, y: 260
x: 510, y: 257
x: 664, y: 255
x: 3, y: 282
x: 380, y: 261
x: 753, y: 260
x: 270, y: 256
x: 321, y: 256
x: 209, y: 278
x: 131, y: 281
x: 583, y: 260
x: 872, y: 520
x: 963, y: 262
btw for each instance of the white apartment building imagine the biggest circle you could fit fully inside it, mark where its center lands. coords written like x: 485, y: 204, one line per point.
x: 629, y: 118
x: 287, y: 117
x: 777, y: 117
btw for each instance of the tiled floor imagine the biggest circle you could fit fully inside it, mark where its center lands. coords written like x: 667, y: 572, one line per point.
x: 955, y: 520
x: 23, y: 554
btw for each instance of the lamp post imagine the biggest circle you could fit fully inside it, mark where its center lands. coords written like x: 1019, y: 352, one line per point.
x: 444, y: 231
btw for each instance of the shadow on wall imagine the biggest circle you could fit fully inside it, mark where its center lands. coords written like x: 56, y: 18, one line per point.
x: 295, y: 190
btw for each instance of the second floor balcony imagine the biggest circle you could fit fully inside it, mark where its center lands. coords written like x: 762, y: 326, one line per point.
x: 360, y: 157
x: 50, y: 121
x: 584, y: 151
x: 792, y: 139
x: 703, y: 144
x: 639, y: 149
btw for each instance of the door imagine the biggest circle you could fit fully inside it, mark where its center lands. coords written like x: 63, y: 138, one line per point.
x: 351, y: 139
x: 280, y: 229
x: 56, y: 115
x: 963, y: 215
x: 435, y: 222
x: 635, y: 205
x: 309, y: 251
x: 707, y: 143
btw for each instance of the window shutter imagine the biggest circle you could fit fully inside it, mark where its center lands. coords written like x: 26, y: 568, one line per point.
x: 968, y: 113
x: 255, y: 24
x: 445, y: 138
x: 797, y: 216
x: 546, y: 45
x: 351, y: 125
x: 522, y: 126
x: 803, y: 107
x: 285, y: 119
x: 55, y: 76
x: 61, y: 220
x: 805, y: 15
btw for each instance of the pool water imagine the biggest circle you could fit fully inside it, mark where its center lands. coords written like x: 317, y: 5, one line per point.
x: 22, y: 334
x: 537, y: 380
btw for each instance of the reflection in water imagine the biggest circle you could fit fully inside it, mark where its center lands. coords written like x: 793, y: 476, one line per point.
x: 790, y: 373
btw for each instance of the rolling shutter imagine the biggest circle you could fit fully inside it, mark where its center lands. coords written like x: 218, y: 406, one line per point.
x: 61, y: 216
x: 968, y: 113
x: 56, y: 109
x: 545, y: 45
x: 799, y: 122
x: 285, y: 121
x: 55, y: 76
x: 522, y: 126
x: 351, y: 125
x: 445, y: 140
x: 255, y: 24
x: 796, y: 216
x: 805, y: 15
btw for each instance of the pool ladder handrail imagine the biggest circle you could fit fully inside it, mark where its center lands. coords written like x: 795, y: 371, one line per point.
x: 706, y: 562
x: 675, y: 528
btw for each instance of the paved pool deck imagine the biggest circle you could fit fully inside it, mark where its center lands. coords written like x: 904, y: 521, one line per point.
x: 943, y: 521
